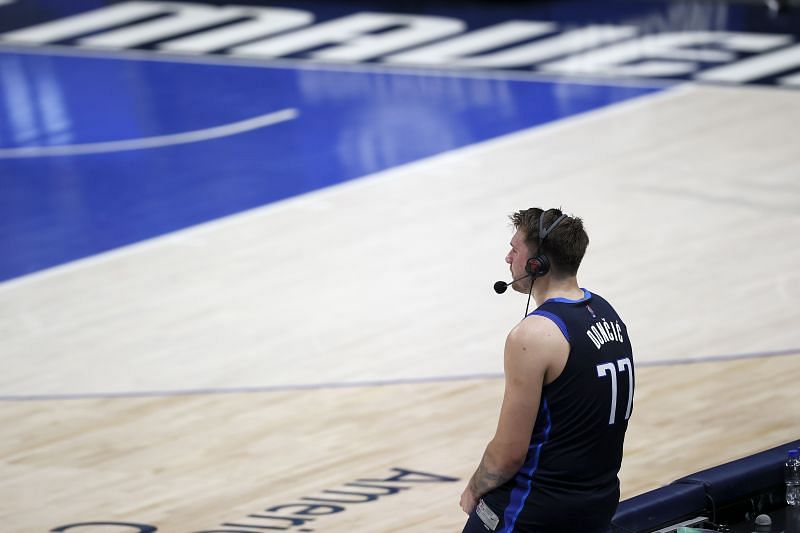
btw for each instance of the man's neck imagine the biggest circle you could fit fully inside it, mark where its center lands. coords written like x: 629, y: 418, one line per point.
x: 547, y: 288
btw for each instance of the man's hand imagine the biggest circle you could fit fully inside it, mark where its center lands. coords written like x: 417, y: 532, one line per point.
x: 468, y: 500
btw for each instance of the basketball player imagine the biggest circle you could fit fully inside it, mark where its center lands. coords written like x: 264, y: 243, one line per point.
x: 552, y: 465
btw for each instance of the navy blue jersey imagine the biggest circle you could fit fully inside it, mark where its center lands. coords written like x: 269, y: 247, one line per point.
x: 569, y: 479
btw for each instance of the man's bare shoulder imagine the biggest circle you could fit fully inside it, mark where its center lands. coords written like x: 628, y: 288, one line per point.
x: 536, y: 348
x: 538, y: 333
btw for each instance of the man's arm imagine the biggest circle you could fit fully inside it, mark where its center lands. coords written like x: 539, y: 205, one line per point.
x: 530, y: 347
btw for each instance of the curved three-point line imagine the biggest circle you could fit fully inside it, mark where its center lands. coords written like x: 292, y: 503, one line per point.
x: 159, y: 141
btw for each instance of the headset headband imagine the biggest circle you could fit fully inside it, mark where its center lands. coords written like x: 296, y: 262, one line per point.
x: 546, y: 232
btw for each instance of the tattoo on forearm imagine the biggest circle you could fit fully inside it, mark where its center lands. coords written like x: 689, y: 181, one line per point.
x: 485, y: 479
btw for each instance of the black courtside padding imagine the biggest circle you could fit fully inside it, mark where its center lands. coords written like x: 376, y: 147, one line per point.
x: 701, y: 493
x: 662, y: 506
x: 739, y: 478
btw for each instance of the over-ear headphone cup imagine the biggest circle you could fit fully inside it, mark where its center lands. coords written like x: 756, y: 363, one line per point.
x: 538, y: 266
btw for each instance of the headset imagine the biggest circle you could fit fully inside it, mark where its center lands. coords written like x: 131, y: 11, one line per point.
x: 536, y: 266
x: 539, y: 265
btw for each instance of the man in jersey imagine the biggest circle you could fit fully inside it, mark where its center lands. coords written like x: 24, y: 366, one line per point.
x: 553, y: 462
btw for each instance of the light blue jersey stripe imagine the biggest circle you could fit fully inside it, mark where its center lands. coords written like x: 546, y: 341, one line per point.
x: 521, y: 492
x: 586, y: 296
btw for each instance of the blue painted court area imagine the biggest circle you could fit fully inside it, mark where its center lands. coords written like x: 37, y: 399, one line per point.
x: 59, y: 207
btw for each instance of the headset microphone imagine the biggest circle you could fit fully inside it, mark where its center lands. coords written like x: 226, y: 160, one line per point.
x: 501, y: 286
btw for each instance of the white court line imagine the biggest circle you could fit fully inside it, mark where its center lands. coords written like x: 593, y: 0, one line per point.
x: 365, y: 383
x: 444, y: 158
x: 159, y: 141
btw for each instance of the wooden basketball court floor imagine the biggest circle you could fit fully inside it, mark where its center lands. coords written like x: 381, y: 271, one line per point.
x: 348, y: 342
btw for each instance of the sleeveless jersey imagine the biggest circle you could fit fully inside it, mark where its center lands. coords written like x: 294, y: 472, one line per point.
x: 569, y: 479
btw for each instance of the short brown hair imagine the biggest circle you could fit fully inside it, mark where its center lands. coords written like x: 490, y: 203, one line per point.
x: 564, y: 246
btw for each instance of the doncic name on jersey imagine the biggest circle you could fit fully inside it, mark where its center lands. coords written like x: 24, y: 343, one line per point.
x: 602, y: 332
x: 651, y: 43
